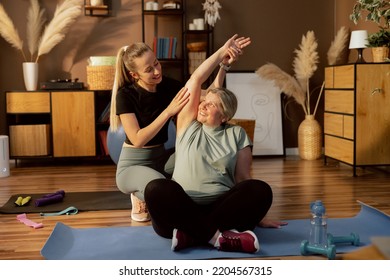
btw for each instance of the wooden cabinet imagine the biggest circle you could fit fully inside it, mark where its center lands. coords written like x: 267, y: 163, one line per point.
x: 357, y: 115
x: 73, y: 122
x: 51, y: 124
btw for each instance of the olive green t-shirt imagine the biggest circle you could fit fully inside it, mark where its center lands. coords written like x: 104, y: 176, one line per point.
x: 206, y: 159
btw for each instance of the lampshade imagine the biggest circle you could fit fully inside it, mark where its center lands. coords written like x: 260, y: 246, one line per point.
x: 358, y: 39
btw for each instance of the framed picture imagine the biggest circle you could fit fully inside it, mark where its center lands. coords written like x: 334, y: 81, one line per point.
x: 259, y: 100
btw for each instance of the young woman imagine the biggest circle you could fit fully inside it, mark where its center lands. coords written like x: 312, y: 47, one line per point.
x: 212, y: 198
x: 143, y: 101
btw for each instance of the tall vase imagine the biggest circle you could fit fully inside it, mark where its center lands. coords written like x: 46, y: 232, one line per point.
x: 309, y: 139
x: 30, y: 75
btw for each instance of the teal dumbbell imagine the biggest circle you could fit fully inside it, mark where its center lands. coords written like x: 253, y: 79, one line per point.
x: 353, y: 238
x: 329, y: 251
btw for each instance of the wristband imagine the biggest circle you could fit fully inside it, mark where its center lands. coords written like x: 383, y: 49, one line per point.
x: 225, y: 67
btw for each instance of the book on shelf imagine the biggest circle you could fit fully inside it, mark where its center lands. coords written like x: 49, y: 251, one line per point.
x: 165, y: 47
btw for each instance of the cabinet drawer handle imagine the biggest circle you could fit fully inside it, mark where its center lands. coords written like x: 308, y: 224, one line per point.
x: 376, y: 90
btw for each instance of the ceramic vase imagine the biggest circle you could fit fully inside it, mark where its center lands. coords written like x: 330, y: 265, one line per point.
x: 309, y: 138
x: 30, y: 75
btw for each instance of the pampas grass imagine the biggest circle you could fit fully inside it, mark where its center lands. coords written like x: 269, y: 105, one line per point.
x: 287, y: 83
x: 304, y: 65
x: 40, y: 43
x: 55, y: 31
x: 338, y: 46
x: 35, y: 21
x: 9, y: 32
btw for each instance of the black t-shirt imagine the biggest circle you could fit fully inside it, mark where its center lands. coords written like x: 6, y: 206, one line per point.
x: 147, y: 106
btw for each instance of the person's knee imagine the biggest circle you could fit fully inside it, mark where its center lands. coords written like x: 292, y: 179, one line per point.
x: 259, y: 190
x: 122, y: 187
x: 154, y: 185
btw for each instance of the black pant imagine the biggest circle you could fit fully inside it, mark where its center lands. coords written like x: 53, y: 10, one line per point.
x: 241, y: 208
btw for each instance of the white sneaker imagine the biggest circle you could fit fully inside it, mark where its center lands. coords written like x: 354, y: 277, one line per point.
x: 139, y: 211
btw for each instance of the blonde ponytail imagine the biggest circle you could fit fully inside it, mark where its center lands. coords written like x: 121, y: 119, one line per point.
x: 124, y: 65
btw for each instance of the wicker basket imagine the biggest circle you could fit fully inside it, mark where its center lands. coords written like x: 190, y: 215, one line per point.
x: 310, y: 139
x: 100, y: 77
x: 380, y: 54
x: 248, y: 125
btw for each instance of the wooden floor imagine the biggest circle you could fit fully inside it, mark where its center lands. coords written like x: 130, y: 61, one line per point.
x: 295, y: 183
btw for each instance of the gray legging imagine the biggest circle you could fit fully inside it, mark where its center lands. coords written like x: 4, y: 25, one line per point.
x: 138, y: 166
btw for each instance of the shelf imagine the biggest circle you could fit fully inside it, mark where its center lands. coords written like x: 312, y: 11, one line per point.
x: 199, y: 32
x: 180, y: 65
x: 173, y: 61
x: 168, y: 60
x: 97, y: 11
x: 164, y: 12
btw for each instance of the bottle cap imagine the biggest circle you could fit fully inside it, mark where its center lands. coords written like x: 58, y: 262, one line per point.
x: 317, y: 208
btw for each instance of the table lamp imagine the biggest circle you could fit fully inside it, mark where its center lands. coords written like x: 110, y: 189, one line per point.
x: 359, y: 41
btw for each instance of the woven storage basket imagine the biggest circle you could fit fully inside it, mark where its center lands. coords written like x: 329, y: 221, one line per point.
x: 100, y: 77
x: 309, y: 139
x: 248, y: 125
x: 380, y: 54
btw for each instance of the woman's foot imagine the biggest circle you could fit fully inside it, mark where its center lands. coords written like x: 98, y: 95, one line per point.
x: 180, y: 240
x: 139, y: 211
x: 234, y: 241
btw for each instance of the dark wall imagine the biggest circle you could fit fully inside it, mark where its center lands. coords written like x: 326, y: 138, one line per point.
x: 276, y: 29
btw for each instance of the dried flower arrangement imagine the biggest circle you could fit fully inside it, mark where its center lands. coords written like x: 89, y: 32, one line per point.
x: 40, y: 40
x: 304, y: 65
x: 338, y: 46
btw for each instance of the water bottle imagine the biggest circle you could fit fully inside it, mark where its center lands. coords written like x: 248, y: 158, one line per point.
x: 318, y: 225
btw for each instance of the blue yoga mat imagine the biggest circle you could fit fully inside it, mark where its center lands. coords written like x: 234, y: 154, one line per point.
x: 142, y: 243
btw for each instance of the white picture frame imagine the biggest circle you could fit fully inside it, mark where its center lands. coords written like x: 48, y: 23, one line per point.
x: 259, y: 100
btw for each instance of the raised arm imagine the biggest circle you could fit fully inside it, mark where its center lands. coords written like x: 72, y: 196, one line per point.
x: 230, y: 49
x: 228, y: 60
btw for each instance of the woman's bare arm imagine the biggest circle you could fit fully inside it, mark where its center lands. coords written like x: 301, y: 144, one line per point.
x: 200, y: 75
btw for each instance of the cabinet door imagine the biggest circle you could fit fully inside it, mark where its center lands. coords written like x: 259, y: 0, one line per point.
x: 73, y: 121
x: 373, y: 114
x: 28, y: 102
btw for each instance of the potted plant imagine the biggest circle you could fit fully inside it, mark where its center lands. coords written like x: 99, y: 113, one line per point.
x: 379, y: 39
x: 379, y: 42
x: 377, y: 11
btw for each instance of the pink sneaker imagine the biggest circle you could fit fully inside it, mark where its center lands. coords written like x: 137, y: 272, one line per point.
x: 234, y: 241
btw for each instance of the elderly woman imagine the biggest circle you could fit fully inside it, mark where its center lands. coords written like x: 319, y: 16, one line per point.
x: 212, y: 198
